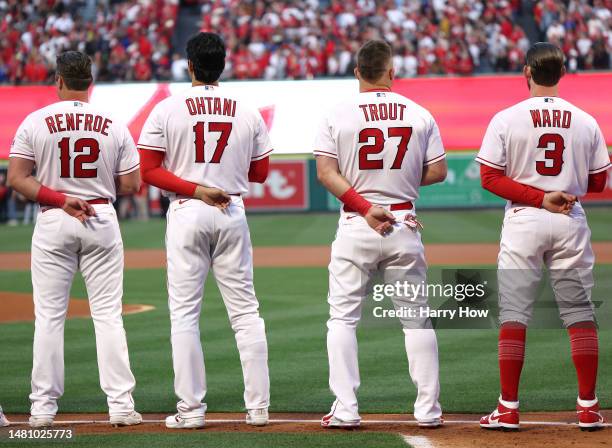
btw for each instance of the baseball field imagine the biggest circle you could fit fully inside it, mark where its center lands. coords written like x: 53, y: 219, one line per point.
x: 291, y: 254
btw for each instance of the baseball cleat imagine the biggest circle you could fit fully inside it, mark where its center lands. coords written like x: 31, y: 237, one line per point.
x: 41, y: 421
x: 3, y: 420
x: 589, y: 417
x: 502, y: 417
x: 133, y: 418
x: 178, y: 422
x: 331, y: 421
x: 431, y: 424
x: 257, y: 417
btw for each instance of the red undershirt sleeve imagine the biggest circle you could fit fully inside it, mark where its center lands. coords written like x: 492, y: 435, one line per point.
x: 498, y: 183
x: 258, y: 170
x: 153, y: 174
x: 597, y: 182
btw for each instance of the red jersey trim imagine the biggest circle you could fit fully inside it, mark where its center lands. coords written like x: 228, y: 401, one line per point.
x: 261, y: 156
x: 377, y: 90
x: 599, y: 170
x: 21, y: 156
x: 153, y: 147
x: 129, y: 170
x: 491, y: 164
x: 435, y: 159
x: 318, y: 152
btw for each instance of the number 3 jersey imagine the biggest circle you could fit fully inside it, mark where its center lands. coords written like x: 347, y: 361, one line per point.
x: 382, y: 141
x: 209, y: 137
x: 546, y: 143
x: 78, y: 150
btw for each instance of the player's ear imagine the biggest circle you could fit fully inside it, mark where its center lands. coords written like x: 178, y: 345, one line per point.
x: 356, y: 73
x: 563, y: 71
x: 392, y: 74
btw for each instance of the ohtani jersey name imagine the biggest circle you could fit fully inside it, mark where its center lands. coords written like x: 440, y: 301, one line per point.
x: 383, y: 111
x: 554, y: 118
x: 77, y: 122
x: 211, y: 105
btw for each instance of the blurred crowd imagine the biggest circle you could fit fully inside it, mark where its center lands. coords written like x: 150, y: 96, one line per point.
x: 290, y: 39
x: 127, y: 40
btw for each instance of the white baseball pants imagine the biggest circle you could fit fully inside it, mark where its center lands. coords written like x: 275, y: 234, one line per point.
x: 200, y: 237
x: 357, y: 253
x: 532, y: 238
x: 61, y: 245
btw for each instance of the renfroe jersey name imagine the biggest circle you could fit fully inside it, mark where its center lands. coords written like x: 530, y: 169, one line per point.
x: 211, y: 105
x: 70, y: 121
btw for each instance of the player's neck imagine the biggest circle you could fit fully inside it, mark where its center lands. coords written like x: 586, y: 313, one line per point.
x: 195, y: 83
x: 369, y: 87
x: 75, y: 95
x: 537, y: 90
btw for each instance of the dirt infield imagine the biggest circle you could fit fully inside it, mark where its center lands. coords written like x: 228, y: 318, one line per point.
x: 18, y: 307
x: 312, y: 256
x: 551, y: 429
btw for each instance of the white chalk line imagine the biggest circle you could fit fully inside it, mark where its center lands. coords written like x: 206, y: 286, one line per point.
x: 369, y: 422
x: 417, y: 441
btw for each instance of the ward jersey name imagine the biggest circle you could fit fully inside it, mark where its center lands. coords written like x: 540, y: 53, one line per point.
x: 547, y: 143
x: 209, y: 136
x: 382, y: 140
x: 78, y: 150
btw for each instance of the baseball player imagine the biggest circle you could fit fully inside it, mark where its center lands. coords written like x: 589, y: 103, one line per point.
x: 542, y: 155
x: 83, y: 158
x: 206, y: 136
x: 373, y: 152
x: 3, y: 420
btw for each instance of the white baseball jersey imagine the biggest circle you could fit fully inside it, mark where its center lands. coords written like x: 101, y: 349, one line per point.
x: 547, y: 143
x: 78, y: 149
x: 382, y: 140
x: 209, y: 137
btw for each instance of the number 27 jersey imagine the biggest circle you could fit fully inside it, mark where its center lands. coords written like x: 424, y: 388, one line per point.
x: 382, y: 141
x: 547, y: 143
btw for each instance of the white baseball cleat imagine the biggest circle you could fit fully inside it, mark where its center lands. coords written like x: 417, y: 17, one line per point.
x: 133, y: 418
x: 432, y: 424
x: 177, y: 422
x: 41, y: 421
x: 331, y: 421
x: 257, y: 417
x: 3, y: 420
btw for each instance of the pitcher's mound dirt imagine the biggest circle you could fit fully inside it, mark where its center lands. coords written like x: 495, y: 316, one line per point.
x: 20, y: 307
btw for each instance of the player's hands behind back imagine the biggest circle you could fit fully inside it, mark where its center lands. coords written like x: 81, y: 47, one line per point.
x: 559, y: 202
x: 380, y: 219
x: 213, y: 196
x: 78, y: 208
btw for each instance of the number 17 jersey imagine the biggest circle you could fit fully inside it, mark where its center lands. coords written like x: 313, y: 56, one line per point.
x: 547, y: 143
x: 209, y: 137
x: 382, y: 141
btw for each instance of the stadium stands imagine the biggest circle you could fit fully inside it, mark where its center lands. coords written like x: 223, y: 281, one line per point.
x: 282, y: 39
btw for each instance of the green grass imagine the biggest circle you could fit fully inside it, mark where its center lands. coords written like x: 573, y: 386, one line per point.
x: 293, y: 303
x: 453, y: 226
x: 198, y: 439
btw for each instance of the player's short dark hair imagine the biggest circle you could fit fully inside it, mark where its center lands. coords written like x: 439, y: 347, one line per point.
x: 373, y: 59
x: 546, y: 62
x: 206, y: 52
x: 75, y: 69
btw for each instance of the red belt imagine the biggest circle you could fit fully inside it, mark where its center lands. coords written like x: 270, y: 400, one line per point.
x: 91, y: 202
x: 393, y: 207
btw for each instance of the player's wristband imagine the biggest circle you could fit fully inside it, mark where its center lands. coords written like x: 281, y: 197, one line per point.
x: 47, y: 196
x: 355, y: 201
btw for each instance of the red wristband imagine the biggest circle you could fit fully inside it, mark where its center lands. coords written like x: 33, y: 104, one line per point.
x: 47, y: 196
x: 355, y: 201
